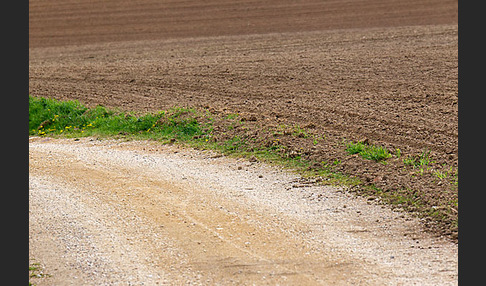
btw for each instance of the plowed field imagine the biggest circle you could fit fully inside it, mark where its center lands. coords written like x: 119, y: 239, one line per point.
x: 383, y: 72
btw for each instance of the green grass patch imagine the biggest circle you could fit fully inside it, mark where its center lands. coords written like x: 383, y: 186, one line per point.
x: 71, y: 119
x: 369, y: 152
x: 49, y: 115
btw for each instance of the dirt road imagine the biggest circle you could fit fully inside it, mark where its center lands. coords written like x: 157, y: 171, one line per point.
x: 117, y: 213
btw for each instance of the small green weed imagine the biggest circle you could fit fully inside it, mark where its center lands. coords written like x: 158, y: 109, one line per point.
x: 232, y: 116
x: 300, y: 132
x: 398, y: 153
x: 419, y: 161
x: 440, y: 175
x: 36, y: 271
x: 448, y: 174
x: 370, y: 152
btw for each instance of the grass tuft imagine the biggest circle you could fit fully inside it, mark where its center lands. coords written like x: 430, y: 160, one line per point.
x: 419, y: 161
x: 370, y: 152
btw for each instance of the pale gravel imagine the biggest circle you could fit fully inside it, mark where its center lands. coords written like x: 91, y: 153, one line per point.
x: 82, y: 240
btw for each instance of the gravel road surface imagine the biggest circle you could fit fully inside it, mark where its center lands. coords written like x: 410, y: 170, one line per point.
x: 107, y: 212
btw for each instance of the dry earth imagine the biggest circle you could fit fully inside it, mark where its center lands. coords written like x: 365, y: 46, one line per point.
x: 139, y: 213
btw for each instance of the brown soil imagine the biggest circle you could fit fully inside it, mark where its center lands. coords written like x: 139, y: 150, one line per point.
x: 384, y: 72
x: 74, y: 22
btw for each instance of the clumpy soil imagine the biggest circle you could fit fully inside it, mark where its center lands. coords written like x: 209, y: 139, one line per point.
x: 391, y: 81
